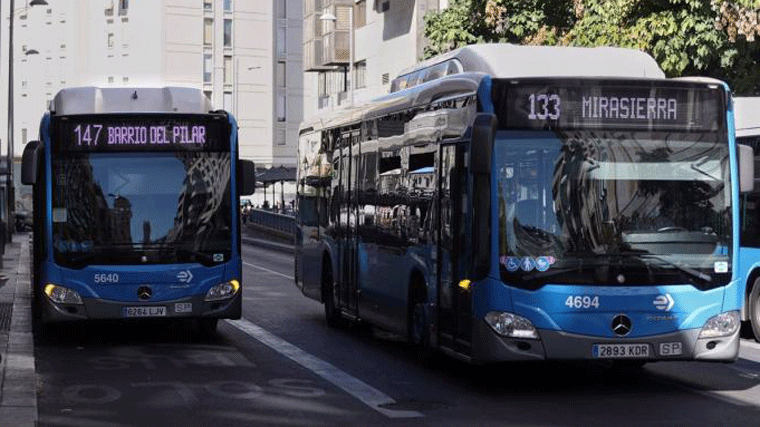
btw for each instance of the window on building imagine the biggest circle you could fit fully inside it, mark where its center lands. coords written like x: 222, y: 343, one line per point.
x: 282, y: 41
x: 208, y: 31
x: 282, y: 9
x: 208, y: 4
x: 228, y: 33
x: 227, y: 70
x: 281, y: 77
x: 281, y: 138
x: 207, y: 67
x: 322, y: 84
x: 227, y: 101
x: 123, y: 7
x: 360, y: 13
x: 228, y: 5
x: 24, y: 135
x: 110, y: 40
x: 208, y: 94
x: 360, y: 74
x: 280, y: 107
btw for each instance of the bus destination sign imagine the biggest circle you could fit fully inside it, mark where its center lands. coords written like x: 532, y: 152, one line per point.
x: 607, y: 104
x: 140, y: 133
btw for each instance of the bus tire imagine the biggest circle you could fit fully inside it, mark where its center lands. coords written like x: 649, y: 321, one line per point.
x: 417, y: 325
x: 753, y: 308
x: 332, y: 314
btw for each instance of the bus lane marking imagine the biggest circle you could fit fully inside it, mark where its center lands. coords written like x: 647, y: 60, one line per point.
x: 357, y: 388
x: 269, y: 271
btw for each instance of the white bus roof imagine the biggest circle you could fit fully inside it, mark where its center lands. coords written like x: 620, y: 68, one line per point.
x: 747, y: 116
x: 96, y: 100
x: 503, y: 60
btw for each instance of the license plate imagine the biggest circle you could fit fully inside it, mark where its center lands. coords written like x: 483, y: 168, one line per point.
x: 152, y: 311
x: 620, y: 351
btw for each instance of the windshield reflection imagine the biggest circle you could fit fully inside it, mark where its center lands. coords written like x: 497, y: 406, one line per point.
x: 119, y: 208
x: 585, y: 199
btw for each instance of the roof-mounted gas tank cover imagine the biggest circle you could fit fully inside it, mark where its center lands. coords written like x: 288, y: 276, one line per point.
x: 95, y: 100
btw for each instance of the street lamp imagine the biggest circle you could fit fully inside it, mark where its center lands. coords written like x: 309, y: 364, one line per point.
x: 327, y: 16
x: 11, y: 191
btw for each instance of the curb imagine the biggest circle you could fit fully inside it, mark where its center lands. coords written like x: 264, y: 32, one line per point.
x: 18, y: 397
x: 280, y: 247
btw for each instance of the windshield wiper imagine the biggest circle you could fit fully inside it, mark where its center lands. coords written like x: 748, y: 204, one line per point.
x: 689, y: 271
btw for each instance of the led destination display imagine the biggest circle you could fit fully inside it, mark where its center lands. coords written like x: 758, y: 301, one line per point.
x: 140, y: 133
x: 543, y: 104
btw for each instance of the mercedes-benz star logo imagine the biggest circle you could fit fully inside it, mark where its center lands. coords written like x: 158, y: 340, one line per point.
x: 144, y: 292
x: 621, y: 325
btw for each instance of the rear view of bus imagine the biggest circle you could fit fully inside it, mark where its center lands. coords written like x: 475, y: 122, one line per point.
x: 135, y: 202
x: 613, y: 206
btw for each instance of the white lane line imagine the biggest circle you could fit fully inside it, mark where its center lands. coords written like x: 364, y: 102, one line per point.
x: 357, y: 388
x: 269, y: 271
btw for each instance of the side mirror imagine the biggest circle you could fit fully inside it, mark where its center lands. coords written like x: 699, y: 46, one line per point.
x: 246, y: 177
x: 746, y: 160
x: 481, y: 153
x: 31, y: 162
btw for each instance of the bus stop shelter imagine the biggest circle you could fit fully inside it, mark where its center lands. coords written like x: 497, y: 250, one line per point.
x: 281, y: 174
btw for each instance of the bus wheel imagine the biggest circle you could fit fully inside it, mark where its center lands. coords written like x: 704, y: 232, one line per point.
x: 206, y: 327
x: 332, y: 315
x: 419, y: 334
x: 754, y: 309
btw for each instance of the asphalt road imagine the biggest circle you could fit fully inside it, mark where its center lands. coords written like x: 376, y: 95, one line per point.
x: 282, y: 366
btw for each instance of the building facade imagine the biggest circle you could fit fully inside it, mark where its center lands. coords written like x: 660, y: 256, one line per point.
x: 245, y: 54
x: 388, y: 36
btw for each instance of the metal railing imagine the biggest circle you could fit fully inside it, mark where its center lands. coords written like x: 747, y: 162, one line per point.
x: 275, y: 223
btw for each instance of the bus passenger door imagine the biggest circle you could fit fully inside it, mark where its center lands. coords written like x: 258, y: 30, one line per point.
x: 347, y: 223
x: 454, y: 303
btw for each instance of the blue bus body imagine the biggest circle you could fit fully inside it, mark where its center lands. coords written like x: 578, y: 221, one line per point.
x: 135, y: 217
x: 466, y: 215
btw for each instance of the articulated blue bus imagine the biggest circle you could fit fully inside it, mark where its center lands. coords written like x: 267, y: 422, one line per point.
x: 527, y: 203
x: 136, y: 195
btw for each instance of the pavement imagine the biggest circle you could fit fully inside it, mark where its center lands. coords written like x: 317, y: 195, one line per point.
x: 18, y: 378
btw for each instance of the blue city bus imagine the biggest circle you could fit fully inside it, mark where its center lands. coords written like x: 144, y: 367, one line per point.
x: 747, y: 124
x: 528, y: 203
x: 136, y: 195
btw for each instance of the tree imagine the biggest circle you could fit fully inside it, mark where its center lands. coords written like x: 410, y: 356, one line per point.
x: 715, y: 38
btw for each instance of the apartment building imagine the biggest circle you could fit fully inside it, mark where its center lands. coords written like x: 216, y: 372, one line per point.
x: 388, y: 36
x: 245, y: 54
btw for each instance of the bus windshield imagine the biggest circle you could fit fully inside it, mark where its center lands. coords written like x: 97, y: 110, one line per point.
x: 613, y: 207
x: 126, y: 208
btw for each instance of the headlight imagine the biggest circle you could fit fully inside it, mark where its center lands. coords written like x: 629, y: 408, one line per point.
x: 722, y: 325
x: 511, y: 325
x: 62, y: 295
x: 223, y: 290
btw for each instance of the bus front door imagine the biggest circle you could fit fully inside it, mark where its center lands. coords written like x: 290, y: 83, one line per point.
x: 454, y: 303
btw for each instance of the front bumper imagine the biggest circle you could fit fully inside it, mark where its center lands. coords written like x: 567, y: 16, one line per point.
x: 557, y: 345
x: 95, y: 308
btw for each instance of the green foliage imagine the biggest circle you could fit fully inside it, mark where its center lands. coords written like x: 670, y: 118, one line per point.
x: 717, y: 38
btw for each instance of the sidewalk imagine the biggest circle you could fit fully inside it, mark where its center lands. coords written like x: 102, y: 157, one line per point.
x: 18, y: 379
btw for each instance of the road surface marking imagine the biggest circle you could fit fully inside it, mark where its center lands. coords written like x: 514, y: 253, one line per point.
x: 357, y: 388
x: 269, y: 271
